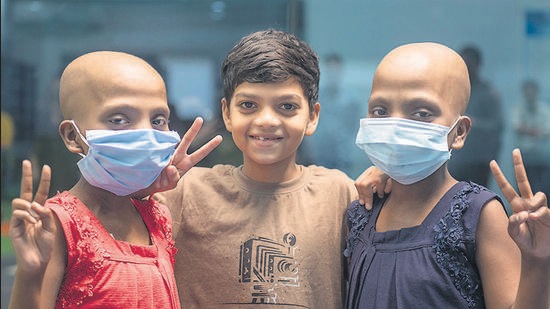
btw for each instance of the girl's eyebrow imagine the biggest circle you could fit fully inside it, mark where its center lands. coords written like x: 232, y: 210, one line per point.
x: 422, y: 102
x: 378, y: 101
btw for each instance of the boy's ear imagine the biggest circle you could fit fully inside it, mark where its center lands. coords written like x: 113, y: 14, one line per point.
x: 461, y: 132
x: 70, y: 137
x: 226, y: 115
x: 313, y: 119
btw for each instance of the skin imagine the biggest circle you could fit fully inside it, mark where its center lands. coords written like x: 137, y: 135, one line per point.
x: 429, y: 82
x: 32, y: 232
x: 101, y: 90
x: 268, y: 122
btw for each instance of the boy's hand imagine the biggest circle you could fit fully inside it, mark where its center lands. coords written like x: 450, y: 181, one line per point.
x: 371, y: 182
x: 32, y: 226
x: 529, y: 226
x: 181, y: 161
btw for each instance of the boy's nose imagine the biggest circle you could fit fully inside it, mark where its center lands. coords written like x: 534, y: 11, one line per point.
x: 266, y: 118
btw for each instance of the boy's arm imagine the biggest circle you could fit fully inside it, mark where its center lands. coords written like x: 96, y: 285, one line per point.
x: 372, y: 181
x: 32, y: 233
x: 181, y: 161
x: 529, y: 227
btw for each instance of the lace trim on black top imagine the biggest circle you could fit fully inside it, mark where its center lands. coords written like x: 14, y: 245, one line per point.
x: 449, y: 245
x: 358, y: 217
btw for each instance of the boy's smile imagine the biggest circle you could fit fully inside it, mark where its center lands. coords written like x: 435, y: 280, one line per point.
x: 265, y: 140
x: 268, y: 122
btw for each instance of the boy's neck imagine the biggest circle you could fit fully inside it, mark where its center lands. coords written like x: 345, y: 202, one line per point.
x: 272, y: 173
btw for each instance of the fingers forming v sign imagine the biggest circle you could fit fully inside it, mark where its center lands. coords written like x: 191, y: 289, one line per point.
x: 32, y: 226
x: 184, y: 161
x: 181, y: 161
x: 529, y: 226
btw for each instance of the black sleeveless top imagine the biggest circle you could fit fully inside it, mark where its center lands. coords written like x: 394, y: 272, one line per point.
x: 431, y: 265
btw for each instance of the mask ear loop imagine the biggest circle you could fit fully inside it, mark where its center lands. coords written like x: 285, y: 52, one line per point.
x: 451, y: 128
x: 455, y: 123
x: 81, y: 136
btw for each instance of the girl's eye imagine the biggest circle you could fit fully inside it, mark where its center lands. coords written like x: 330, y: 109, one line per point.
x: 119, y: 121
x: 379, y: 112
x: 159, y: 122
x: 422, y: 114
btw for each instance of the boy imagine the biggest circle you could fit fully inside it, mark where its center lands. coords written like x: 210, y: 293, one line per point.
x: 437, y: 242
x: 270, y: 232
x: 103, y: 248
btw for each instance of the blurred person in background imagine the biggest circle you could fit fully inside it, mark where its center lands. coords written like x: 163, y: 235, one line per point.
x: 532, y: 135
x: 485, y: 138
x: 333, y: 145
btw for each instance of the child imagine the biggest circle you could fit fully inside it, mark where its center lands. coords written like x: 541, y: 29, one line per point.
x: 435, y: 242
x: 108, y: 250
x: 270, y: 232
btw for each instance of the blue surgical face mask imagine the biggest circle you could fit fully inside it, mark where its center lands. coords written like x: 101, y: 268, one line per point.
x: 126, y: 161
x: 406, y: 150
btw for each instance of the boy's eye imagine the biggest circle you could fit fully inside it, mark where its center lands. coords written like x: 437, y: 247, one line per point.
x: 247, y: 105
x: 288, y: 107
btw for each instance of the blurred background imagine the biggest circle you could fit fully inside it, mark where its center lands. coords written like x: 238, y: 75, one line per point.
x: 507, y: 43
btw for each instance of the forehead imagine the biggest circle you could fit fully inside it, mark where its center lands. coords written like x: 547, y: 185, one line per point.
x: 418, y: 77
x: 290, y: 88
x: 88, y: 88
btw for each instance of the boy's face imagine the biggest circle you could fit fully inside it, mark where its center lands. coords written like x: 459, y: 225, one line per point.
x: 269, y: 120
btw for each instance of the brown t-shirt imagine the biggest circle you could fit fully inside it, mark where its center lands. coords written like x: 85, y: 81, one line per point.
x: 242, y: 243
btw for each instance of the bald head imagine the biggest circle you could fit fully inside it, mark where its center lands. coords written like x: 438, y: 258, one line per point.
x: 92, y: 78
x: 431, y: 66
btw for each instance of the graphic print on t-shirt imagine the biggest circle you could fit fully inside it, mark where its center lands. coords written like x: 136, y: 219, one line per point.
x: 267, y: 266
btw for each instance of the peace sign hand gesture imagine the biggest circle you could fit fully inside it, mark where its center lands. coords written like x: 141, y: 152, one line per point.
x: 529, y: 226
x: 32, y: 226
x: 181, y: 161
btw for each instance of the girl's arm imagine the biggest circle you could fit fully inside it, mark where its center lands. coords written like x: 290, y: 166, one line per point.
x: 529, y: 227
x: 32, y: 233
x: 39, y: 245
x: 498, y: 258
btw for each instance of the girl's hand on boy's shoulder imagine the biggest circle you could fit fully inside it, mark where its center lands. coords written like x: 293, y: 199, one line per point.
x: 181, y: 161
x: 529, y: 226
x: 372, y: 181
x: 32, y: 226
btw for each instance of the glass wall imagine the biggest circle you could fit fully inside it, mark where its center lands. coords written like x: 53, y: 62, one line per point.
x: 186, y: 41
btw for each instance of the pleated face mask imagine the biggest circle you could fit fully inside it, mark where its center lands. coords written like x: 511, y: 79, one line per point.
x: 126, y: 161
x: 406, y: 150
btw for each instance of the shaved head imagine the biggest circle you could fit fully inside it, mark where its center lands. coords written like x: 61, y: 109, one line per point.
x: 433, y: 66
x: 93, y: 77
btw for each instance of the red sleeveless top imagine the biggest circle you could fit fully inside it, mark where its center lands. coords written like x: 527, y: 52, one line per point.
x: 105, y: 273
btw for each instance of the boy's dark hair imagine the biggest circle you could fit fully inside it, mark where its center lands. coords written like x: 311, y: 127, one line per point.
x: 271, y: 56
